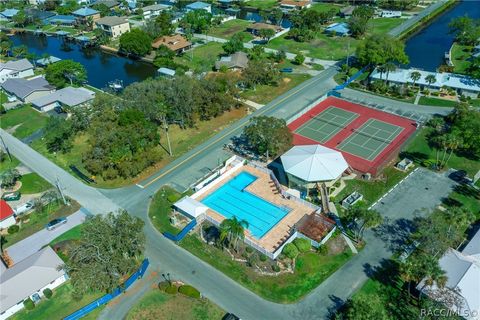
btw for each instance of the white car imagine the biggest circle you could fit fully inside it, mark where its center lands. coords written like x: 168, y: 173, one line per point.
x: 23, y: 208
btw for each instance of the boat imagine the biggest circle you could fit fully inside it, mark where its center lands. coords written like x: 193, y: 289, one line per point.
x: 116, y: 85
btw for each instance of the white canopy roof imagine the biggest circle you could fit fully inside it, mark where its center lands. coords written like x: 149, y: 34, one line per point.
x: 191, y: 206
x: 314, y: 163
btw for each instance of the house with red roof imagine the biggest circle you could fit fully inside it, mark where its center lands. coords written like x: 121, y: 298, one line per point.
x: 6, y: 215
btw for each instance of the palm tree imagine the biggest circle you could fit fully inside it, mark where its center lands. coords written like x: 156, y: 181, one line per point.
x: 389, y: 67
x: 433, y: 273
x: 415, y: 76
x: 381, y: 69
x: 409, y: 273
x: 233, y: 229
x: 454, y: 142
x: 430, y: 79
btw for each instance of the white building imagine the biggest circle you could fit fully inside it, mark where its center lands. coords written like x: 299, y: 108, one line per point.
x: 390, y: 14
x: 15, y: 69
x: 199, y: 6
x: 113, y: 26
x: 154, y: 10
x: 28, y: 278
x: 7, y: 217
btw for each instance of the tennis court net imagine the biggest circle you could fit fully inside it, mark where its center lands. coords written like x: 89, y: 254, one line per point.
x: 329, y: 122
x: 360, y: 132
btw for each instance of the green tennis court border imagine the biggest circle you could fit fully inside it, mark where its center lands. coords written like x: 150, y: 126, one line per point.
x: 370, y: 139
x: 323, y: 126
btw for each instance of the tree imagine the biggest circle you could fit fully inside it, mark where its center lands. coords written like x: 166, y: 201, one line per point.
x: 397, y: 5
x: 357, y: 26
x: 110, y: 248
x: 430, y: 79
x: 276, y: 15
x: 68, y: 7
x: 136, y: 42
x: 266, y: 34
x: 20, y: 19
x: 65, y: 72
x: 19, y: 51
x: 164, y: 23
x: 364, y: 219
x: 233, y: 229
x: 5, y: 43
x: 465, y: 124
x: 415, y: 76
x: 299, y: 59
x: 268, y: 136
x: 58, y: 135
x: 466, y: 30
x: 9, y: 178
x: 197, y: 21
x: 260, y: 72
x: 102, y: 8
x: 234, y: 44
x: 361, y: 307
x: 301, y: 35
x: 389, y: 67
x: 379, y: 49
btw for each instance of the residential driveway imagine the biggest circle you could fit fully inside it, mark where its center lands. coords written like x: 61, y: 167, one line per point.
x: 35, y: 242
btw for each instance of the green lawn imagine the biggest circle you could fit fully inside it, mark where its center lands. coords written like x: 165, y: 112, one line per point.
x: 475, y: 102
x: 311, y: 268
x: 26, y: 118
x: 264, y: 94
x: 158, y: 305
x: 261, y: 4
x: 460, y: 57
x: 383, y: 25
x: 33, y: 183
x: 6, y: 164
x: 59, y: 306
x: 201, y: 58
x: 324, y: 7
x: 431, y: 101
x: 72, y: 234
x: 3, y: 98
x: 229, y: 28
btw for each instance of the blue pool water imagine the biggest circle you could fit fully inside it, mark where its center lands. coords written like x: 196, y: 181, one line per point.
x: 232, y: 199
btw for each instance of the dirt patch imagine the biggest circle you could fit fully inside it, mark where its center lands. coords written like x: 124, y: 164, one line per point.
x: 286, y: 80
x: 336, y: 245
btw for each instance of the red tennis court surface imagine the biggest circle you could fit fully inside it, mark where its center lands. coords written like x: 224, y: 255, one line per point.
x: 367, y: 138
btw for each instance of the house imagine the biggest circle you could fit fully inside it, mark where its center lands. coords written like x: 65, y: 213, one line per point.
x: 166, y: 72
x: 7, y: 217
x: 154, y: 10
x: 390, y: 14
x: 463, y: 279
x: 82, y: 15
x: 238, y: 60
x: 27, y: 90
x: 66, y: 97
x: 225, y: 4
x: 62, y: 20
x: 36, y: 14
x: 28, y: 279
x: 339, y: 29
x: 462, y: 84
x: 295, y: 4
x: 8, y: 14
x: 199, y: 6
x: 257, y: 26
x: 15, y: 69
x: 347, y: 12
x: 111, y: 4
x: 113, y: 26
x: 176, y: 43
x: 43, y: 62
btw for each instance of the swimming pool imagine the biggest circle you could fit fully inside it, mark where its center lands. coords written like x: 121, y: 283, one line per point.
x: 232, y: 199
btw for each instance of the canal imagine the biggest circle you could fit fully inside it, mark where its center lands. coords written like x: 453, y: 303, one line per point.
x: 427, y: 48
x: 101, y: 67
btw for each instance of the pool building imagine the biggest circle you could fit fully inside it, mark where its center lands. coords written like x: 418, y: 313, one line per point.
x: 251, y: 192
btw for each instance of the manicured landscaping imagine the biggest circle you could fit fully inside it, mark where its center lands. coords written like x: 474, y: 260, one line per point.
x: 262, y: 4
x: 25, y: 119
x: 229, y: 28
x: 264, y: 94
x: 158, y: 305
x: 431, y: 101
x: 201, y: 58
x: 6, y: 164
x: 324, y: 7
x: 383, y: 25
x: 33, y: 183
x: 72, y: 234
x: 460, y: 56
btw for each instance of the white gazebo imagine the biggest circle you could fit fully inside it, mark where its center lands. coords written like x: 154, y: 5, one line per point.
x: 308, y: 165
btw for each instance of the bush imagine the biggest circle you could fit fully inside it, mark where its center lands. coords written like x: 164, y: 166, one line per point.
x: 163, y: 285
x: 189, y: 291
x: 323, y: 250
x: 248, y: 249
x: 13, y: 229
x: 332, y: 198
x: 47, y: 293
x: 76, y: 295
x: 276, y: 268
x: 429, y: 163
x: 435, y: 94
x: 263, y: 257
x: 290, y: 251
x: 337, y: 184
x: 252, y: 260
x: 171, y: 289
x: 303, y: 245
x: 172, y: 198
x: 29, y: 304
x: 352, y: 71
x: 2, y: 110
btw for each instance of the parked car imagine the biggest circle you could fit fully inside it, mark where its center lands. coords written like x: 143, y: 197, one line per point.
x: 286, y: 70
x: 23, y: 208
x: 11, y: 196
x: 55, y: 223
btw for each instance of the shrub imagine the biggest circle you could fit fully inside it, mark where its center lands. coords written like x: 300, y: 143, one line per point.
x: 435, y: 94
x: 303, y: 245
x: 171, y: 289
x: 252, y: 260
x: 332, y: 198
x: 29, y: 304
x: 323, y: 250
x: 172, y: 198
x: 2, y: 110
x: 263, y: 257
x: 249, y: 249
x: 352, y: 71
x: 276, y: 268
x: 13, y: 229
x: 429, y: 163
x: 76, y: 295
x: 336, y: 184
x: 163, y: 285
x: 290, y: 251
x: 47, y: 293
x: 189, y: 291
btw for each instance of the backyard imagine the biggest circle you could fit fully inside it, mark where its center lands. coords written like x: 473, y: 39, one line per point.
x: 229, y: 28
x: 201, y: 58
x: 460, y: 56
x: 23, y: 121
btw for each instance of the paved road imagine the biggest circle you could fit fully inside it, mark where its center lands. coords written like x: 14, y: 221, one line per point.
x: 36, y: 241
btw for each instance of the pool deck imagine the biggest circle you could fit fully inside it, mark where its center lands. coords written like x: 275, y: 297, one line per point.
x: 265, y: 188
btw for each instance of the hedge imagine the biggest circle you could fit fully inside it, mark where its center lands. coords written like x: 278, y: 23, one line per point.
x: 290, y: 250
x: 171, y: 289
x: 47, y: 293
x: 189, y: 291
x: 28, y: 304
x: 303, y: 245
x: 13, y: 229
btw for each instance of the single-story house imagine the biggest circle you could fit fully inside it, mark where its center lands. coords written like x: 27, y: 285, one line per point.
x: 199, y: 6
x: 83, y: 14
x: 462, y: 84
x: 463, y: 280
x: 66, y: 97
x: 390, y: 14
x: 295, y: 4
x: 43, y: 62
x: 41, y: 15
x: 227, y: 3
x: 27, y: 90
x: 111, y: 4
x: 15, y: 69
x: 176, y: 43
x: 62, y: 20
x: 8, y: 14
x: 238, y: 60
x: 7, y: 218
x: 347, y: 12
x: 257, y: 26
x: 28, y: 279
x: 339, y: 28
x: 154, y: 10
x: 113, y: 26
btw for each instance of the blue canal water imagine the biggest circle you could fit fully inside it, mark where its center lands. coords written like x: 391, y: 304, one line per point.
x: 427, y: 48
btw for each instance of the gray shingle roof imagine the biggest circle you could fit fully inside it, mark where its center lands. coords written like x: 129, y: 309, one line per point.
x: 67, y: 96
x: 18, y: 65
x: 28, y: 276
x: 111, y: 21
x: 236, y: 60
x: 22, y: 87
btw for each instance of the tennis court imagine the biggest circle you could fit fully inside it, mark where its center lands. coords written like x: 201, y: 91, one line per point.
x: 370, y: 139
x: 323, y: 126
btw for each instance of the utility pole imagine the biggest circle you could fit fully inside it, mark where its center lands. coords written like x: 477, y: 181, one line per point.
x: 6, y: 148
x: 57, y: 184
x: 165, y: 126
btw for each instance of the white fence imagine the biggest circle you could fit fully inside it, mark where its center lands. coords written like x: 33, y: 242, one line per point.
x: 315, y: 243
x: 306, y: 109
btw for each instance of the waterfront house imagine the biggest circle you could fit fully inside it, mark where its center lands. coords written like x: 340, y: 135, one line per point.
x: 257, y: 26
x: 236, y: 61
x: 43, y: 62
x: 66, y: 97
x: 154, y: 10
x: 26, y: 90
x: 460, y: 83
x: 15, y: 69
x: 199, y: 6
x: 8, y: 14
x: 62, y: 20
x: 295, y: 4
x: 166, y: 72
x: 28, y: 279
x: 339, y: 29
x: 40, y: 15
x: 7, y: 218
x: 82, y: 15
x: 113, y: 26
x: 176, y: 43
x: 111, y: 4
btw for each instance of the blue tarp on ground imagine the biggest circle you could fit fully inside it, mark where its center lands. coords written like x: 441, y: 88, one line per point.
x: 182, y: 233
